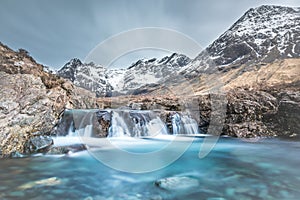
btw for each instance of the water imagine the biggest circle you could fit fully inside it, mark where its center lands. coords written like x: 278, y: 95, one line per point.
x: 184, y: 125
x: 118, y: 127
x: 128, y: 123
x: 135, y: 124
x: 235, y: 169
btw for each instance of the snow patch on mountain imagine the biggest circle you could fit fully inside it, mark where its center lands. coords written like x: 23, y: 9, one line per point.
x: 262, y: 34
x: 105, y: 82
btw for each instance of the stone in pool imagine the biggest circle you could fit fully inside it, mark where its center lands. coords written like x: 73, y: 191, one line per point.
x: 177, y: 183
x: 44, y: 182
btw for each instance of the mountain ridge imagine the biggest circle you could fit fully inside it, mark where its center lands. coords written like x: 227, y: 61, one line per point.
x: 104, y: 81
x: 262, y: 35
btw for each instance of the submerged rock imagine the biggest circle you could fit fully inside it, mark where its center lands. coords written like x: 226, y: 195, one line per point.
x: 17, y: 194
x: 177, y: 183
x: 40, y: 183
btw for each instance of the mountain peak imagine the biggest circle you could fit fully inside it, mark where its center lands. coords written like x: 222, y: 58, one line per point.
x: 104, y: 81
x: 267, y: 8
x: 68, y: 70
x: 175, y: 58
x: 74, y: 62
x: 263, y: 34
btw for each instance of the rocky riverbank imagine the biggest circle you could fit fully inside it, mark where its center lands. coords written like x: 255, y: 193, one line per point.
x: 31, y: 102
x: 268, y: 112
x: 263, y: 113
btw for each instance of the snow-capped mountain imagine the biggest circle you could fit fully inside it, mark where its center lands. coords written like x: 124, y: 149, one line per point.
x: 104, y: 81
x: 89, y: 76
x: 262, y: 34
x: 153, y: 71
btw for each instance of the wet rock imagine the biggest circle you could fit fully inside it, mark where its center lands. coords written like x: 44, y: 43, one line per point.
x: 64, y: 124
x: 67, y: 149
x: 40, y: 143
x: 104, y: 120
x: 17, y: 155
x: 177, y: 183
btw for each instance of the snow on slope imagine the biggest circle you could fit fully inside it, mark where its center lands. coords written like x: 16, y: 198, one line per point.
x: 262, y: 34
x: 104, y: 81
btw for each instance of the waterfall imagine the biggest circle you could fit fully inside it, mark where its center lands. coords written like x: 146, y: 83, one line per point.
x: 128, y: 123
x: 118, y: 127
x: 136, y: 124
x: 71, y: 130
x: 176, y: 124
x: 86, y: 131
x: 157, y: 127
x: 140, y: 123
x: 184, y: 124
x: 190, y: 125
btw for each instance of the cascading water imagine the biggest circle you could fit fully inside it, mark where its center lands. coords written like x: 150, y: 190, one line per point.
x: 85, y: 127
x: 118, y: 127
x: 140, y: 120
x: 157, y: 127
x: 184, y: 124
x: 176, y: 120
x: 71, y: 130
x: 136, y: 124
x: 130, y: 123
x: 190, y: 125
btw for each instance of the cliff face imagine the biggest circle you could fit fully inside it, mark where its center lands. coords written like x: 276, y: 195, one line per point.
x: 31, y: 101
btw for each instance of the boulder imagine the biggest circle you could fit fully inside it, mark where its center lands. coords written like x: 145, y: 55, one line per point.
x: 40, y: 143
x: 176, y: 183
x: 55, y: 150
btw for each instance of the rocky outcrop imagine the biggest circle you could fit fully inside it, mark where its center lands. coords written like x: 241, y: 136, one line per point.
x: 31, y: 101
x: 261, y: 113
x: 285, y: 120
x: 245, y: 111
x: 268, y: 112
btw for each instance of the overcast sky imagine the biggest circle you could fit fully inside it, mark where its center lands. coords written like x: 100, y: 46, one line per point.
x: 54, y: 31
